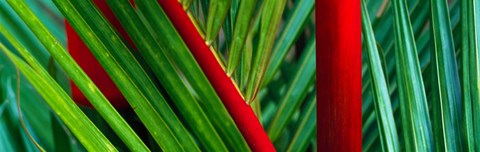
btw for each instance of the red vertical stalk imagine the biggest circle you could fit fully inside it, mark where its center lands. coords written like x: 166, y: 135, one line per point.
x: 241, y: 113
x: 339, y: 78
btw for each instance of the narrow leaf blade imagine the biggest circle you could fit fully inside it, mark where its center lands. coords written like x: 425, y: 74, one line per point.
x: 415, y: 118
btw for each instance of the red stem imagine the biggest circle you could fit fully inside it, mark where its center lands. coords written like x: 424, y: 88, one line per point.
x: 339, y: 80
x: 241, y: 112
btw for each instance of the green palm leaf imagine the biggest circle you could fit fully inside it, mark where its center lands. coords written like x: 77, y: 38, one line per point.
x: 415, y: 117
x: 115, y: 54
x: 168, y: 39
x: 474, y: 62
x: 217, y: 11
x: 446, y: 104
x: 467, y: 123
x: 271, y: 15
x: 240, y: 34
x: 59, y: 100
x: 296, y: 92
x: 301, y: 11
x: 383, y: 108
x: 306, y: 129
x: 172, y: 81
x: 173, y: 106
x: 75, y: 72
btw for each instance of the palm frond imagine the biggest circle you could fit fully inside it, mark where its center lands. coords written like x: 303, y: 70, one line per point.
x: 167, y: 60
x: 431, y: 57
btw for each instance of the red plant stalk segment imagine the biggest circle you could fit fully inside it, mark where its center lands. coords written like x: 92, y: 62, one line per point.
x: 91, y: 66
x: 339, y: 81
x: 240, y: 111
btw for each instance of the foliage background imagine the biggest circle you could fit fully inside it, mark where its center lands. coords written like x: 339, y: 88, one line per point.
x: 420, y: 75
x: 289, y: 85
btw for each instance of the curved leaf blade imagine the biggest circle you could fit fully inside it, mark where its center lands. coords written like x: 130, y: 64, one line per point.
x: 98, y: 100
x: 383, y: 107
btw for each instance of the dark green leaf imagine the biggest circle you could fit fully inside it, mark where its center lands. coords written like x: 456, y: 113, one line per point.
x: 471, y: 20
x: 446, y: 128
x: 306, y: 127
x: 165, y: 72
x: 467, y: 123
x: 127, y: 74
x: 170, y: 42
x: 296, y: 93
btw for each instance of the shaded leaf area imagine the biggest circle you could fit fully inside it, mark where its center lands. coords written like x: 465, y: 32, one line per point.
x: 436, y: 40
